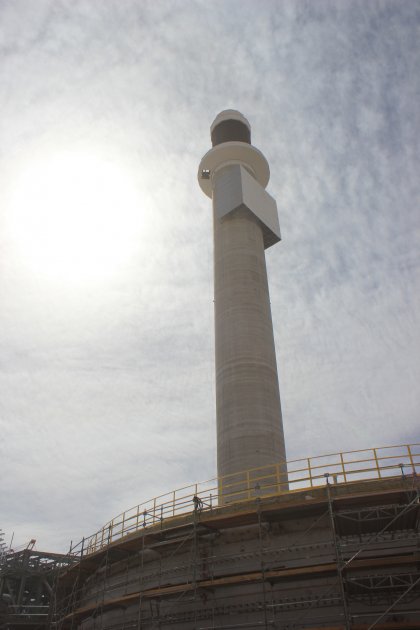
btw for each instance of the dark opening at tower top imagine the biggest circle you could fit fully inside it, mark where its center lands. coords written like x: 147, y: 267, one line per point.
x: 230, y: 130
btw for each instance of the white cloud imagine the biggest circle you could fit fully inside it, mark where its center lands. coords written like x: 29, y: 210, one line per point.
x: 107, y: 393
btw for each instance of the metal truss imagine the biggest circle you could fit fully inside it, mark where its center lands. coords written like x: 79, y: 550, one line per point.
x: 380, y: 588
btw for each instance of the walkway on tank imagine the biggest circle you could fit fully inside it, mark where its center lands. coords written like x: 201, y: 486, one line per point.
x: 341, y: 469
x: 270, y: 508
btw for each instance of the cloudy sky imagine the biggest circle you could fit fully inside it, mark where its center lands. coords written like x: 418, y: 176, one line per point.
x: 106, y: 289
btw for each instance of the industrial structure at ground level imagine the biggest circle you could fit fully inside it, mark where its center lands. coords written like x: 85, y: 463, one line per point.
x: 27, y: 582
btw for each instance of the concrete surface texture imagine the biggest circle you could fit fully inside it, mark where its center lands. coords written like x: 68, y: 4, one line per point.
x: 249, y: 429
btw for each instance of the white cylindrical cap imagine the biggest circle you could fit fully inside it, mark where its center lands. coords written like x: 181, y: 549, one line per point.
x: 229, y: 114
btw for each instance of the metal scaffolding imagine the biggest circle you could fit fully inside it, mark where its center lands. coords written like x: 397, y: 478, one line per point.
x: 363, y: 574
x: 380, y: 530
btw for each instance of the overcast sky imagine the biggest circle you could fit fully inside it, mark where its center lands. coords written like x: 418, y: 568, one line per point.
x: 106, y: 288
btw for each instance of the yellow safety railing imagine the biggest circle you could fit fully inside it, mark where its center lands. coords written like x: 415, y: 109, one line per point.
x: 336, y: 468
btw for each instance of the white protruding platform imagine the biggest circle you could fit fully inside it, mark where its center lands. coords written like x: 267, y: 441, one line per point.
x: 235, y: 188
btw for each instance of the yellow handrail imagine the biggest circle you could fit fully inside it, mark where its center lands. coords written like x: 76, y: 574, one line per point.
x: 305, y: 473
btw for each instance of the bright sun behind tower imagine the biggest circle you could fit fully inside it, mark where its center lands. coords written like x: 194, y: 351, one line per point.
x: 74, y: 217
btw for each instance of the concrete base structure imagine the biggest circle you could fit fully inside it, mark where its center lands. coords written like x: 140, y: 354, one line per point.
x: 336, y: 557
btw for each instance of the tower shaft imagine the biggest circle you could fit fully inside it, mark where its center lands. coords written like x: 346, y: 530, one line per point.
x: 247, y: 391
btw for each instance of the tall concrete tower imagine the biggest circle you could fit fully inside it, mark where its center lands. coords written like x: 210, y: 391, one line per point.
x: 234, y: 174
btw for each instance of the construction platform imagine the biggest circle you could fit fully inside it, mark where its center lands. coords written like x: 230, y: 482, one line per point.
x: 339, y: 554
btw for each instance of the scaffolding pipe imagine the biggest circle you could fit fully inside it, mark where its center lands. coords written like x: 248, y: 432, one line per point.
x: 338, y: 557
x: 388, y: 610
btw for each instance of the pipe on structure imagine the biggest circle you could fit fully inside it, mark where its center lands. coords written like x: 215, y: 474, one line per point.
x: 249, y: 421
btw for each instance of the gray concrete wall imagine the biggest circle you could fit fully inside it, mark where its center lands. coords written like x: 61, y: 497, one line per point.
x: 249, y: 421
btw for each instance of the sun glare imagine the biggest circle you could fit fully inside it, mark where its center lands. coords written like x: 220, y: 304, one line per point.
x: 75, y: 217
